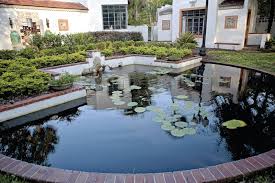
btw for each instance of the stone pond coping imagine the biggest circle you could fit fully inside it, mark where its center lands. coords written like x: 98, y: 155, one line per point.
x: 32, y: 100
x: 35, y: 104
x: 219, y: 173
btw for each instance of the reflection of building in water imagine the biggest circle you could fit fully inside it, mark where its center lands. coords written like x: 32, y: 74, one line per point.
x: 102, y: 100
x: 219, y: 79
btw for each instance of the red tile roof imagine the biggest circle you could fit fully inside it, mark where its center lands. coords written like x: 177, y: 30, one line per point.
x: 45, y: 4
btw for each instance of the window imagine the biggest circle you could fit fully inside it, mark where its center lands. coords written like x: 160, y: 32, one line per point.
x: 225, y: 82
x: 114, y: 16
x: 193, y: 21
x: 63, y: 25
x: 231, y: 22
x: 165, y: 24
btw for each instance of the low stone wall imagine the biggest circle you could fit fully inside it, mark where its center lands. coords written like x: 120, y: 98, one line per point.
x: 118, y: 61
x: 11, y: 111
x: 219, y: 173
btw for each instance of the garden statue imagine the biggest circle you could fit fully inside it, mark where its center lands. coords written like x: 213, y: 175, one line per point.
x: 96, y: 69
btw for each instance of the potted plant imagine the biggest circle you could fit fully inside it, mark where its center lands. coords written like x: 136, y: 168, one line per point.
x: 65, y: 81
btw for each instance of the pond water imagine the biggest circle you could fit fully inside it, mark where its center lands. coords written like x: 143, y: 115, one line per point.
x: 106, y: 135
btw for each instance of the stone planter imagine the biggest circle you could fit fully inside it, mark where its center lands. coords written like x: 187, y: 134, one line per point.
x: 61, y: 87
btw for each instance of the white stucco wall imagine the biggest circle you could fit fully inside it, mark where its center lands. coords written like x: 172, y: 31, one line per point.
x: 232, y: 35
x: 95, y: 21
x: 73, y: 17
x: 164, y: 35
x: 216, y: 20
x: 143, y: 29
x: 178, y: 5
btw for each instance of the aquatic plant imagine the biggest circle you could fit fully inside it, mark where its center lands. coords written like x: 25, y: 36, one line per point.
x: 132, y: 104
x: 234, y: 124
x: 182, y: 97
x: 139, y: 109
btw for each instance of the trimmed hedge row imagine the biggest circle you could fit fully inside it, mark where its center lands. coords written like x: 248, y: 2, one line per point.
x: 19, y: 80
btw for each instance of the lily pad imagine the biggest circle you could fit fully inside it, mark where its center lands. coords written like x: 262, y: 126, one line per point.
x: 234, y: 124
x: 188, y: 105
x: 116, y: 92
x: 189, y: 131
x: 182, y: 97
x: 132, y: 104
x: 181, y: 124
x: 178, y: 133
x: 167, y: 127
x: 119, y: 103
x: 154, y: 109
x: 177, y: 116
x: 175, y: 106
x: 114, y: 97
x: 140, y: 109
x: 134, y: 87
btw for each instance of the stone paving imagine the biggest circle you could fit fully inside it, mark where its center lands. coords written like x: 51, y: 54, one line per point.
x: 219, y: 173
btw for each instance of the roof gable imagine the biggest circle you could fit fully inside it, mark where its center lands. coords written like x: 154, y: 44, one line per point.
x: 45, y: 4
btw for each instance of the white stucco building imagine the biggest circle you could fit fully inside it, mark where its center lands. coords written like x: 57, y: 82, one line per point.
x: 19, y: 19
x: 231, y: 23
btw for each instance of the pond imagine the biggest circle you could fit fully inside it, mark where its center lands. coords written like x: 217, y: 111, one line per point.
x: 143, y: 120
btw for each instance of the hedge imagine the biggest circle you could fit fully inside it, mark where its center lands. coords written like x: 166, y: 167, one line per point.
x: 116, y: 36
x: 20, y: 80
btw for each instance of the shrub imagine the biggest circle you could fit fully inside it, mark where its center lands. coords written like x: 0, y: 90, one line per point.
x: 78, y: 39
x: 186, y: 40
x: 20, y: 80
x: 49, y: 40
x: 116, y: 36
x: 28, y: 53
x: 91, y: 46
x: 119, y: 44
x: 7, y: 54
x: 64, y: 79
x: 107, y: 52
x: 161, y: 53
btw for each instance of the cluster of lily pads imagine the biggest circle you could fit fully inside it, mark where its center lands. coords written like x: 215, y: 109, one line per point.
x: 173, y: 124
x: 117, y: 96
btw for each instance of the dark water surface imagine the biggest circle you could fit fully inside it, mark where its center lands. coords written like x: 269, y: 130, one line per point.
x: 102, y: 137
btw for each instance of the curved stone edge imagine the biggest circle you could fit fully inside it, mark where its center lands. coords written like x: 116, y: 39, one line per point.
x: 218, y: 173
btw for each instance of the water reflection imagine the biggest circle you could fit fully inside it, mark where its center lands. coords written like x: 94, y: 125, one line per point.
x: 214, y: 93
x: 30, y: 144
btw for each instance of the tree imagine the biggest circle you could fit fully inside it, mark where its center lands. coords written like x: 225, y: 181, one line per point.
x: 271, y: 16
x: 144, y: 11
x: 267, y: 7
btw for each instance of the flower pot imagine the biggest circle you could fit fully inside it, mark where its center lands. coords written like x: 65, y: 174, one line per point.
x: 61, y: 87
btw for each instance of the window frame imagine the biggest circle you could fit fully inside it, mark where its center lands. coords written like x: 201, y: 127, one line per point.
x: 197, y: 19
x: 116, y: 19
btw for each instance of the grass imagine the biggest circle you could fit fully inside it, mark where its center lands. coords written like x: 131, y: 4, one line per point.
x: 267, y: 176
x: 10, y: 179
x: 256, y: 60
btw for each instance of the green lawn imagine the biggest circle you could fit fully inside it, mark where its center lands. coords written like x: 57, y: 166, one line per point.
x: 257, y: 60
x: 10, y: 179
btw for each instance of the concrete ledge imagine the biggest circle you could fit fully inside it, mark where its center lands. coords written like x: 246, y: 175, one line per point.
x: 219, y: 173
x: 124, y: 60
x: 35, y: 104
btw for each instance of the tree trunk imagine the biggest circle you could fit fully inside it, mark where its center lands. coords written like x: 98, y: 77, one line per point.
x: 271, y: 16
